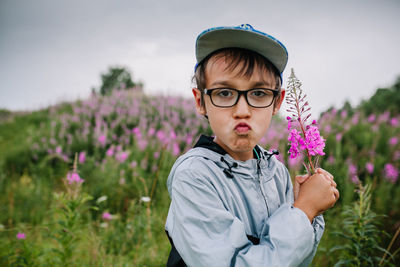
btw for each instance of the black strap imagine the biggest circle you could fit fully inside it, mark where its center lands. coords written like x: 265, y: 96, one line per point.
x: 175, y: 260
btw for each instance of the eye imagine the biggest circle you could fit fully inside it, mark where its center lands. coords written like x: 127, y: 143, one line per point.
x: 260, y: 93
x: 224, y: 92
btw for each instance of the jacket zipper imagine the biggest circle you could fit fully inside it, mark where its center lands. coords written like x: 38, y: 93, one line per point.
x: 259, y: 183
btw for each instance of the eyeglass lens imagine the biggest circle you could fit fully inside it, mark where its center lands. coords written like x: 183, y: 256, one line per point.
x: 226, y: 97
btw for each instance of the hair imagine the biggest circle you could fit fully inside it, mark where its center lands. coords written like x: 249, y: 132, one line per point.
x: 234, y: 57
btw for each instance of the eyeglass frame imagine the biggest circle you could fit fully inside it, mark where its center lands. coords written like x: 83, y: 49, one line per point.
x: 240, y: 93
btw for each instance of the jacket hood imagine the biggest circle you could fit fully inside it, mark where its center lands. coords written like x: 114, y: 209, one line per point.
x: 207, y: 149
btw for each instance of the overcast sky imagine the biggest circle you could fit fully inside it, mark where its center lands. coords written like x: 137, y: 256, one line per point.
x: 52, y: 50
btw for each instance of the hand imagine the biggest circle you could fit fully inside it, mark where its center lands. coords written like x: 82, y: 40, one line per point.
x: 329, y: 176
x: 315, y: 194
x: 299, y: 179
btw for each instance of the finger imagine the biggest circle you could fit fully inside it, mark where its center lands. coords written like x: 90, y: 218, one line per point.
x: 336, y: 193
x: 333, y: 183
x: 322, y: 171
x: 302, y: 178
x: 324, y: 176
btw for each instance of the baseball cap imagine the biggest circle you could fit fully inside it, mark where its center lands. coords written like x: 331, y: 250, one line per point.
x: 242, y: 36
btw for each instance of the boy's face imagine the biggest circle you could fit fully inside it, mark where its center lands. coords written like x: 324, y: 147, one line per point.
x: 239, y: 128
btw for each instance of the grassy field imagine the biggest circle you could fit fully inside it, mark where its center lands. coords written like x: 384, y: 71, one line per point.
x: 125, y: 145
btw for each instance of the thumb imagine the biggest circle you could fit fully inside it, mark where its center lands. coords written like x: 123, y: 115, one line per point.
x: 301, y: 178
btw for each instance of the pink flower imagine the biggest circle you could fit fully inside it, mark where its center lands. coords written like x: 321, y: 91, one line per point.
x: 314, y: 142
x: 110, y: 152
x: 82, y: 157
x: 352, y: 171
x: 172, y: 135
x: 355, y: 118
x: 142, y: 144
x: 396, y: 155
x: 175, y: 149
x: 106, y: 216
x: 122, y: 156
x: 339, y: 137
x: 65, y: 158
x: 384, y: 117
x: 102, y: 140
x: 58, y: 150
x: 189, y: 140
x: 391, y: 172
x: 161, y: 136
x: 370, y: 167
x: 393, y: 141
x: 371, y: 118
x: 73, y: 178
x: 151, y: 132
x: 295, y: 140
x: 21, y: 236
x: 355, y: 179
x: 327, y: 129
x: 289, y: 119
x: 331, y: 159
x: 137, y: 132
x: 133, y: 164
x: 394, y: 122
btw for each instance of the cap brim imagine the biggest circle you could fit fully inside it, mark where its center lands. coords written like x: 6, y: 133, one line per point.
x: 226, y: 37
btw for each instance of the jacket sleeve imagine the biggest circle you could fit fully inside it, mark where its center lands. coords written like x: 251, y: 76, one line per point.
x: 318, y: 223
x: 205, y: 233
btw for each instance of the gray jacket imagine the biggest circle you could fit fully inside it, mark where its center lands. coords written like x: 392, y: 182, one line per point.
x: 226, y: 212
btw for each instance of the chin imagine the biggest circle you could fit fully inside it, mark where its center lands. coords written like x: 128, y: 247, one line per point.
x: 243, y: 144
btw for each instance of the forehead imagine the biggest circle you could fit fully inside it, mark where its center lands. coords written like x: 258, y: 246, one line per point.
x: 223, y: 67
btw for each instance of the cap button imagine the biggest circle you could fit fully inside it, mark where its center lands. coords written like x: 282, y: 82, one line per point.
x: 246, y: 27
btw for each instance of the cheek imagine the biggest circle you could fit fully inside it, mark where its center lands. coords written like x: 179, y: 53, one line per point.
x: 263, y: 122
x: 218, y: 121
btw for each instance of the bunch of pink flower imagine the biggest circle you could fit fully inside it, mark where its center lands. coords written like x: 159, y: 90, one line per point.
x: 74, y: 178
x: 106, y: 216
x: 21, y: 235
x: 307, y: 138
x: 391, y: 172
x: 73, y: 181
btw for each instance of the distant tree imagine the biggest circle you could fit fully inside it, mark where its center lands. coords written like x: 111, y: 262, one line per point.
x: 384, y: 99
x: 348, y: 108
x: 116, y: 78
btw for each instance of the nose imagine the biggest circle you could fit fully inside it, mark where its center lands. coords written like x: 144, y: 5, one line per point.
x: 242, y: 109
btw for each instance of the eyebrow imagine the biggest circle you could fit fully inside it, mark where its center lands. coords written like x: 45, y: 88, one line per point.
x: 228, y: 84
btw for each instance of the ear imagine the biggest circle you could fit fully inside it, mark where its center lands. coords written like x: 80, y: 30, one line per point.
x: 197, y: 97
x: 278, y: 104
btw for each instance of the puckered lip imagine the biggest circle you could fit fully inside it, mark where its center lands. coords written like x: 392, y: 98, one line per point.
x: 242, y: 124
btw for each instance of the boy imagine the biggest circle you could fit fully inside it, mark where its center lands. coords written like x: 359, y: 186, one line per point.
x: 233, y: 204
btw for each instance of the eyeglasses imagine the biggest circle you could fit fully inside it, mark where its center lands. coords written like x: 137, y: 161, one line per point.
x: 228, y: 97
